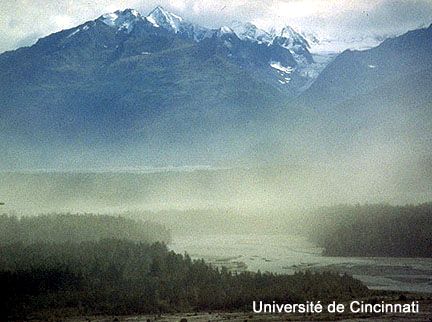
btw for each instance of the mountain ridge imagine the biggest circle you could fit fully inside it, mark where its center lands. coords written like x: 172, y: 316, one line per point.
x: 119, y: 83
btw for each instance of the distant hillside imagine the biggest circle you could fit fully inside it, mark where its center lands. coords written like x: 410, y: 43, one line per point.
x: 354, y: 73
x: 61, y: 228
x: 374, y: 106
x: 374, y: 230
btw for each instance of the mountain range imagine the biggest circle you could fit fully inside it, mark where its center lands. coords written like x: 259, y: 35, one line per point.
x: 147, y: 87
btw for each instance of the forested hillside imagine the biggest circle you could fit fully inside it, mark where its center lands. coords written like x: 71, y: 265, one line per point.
x: 374, y: 230
x: 58, y: 228
x: 53, y: 266
x: 122, y: 277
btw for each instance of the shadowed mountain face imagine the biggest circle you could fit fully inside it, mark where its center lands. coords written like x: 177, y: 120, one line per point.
x: 379, y: 98
x: 124, y: 79
x: 355, y: 73
x: 96, y: 78
x: 160, y: 89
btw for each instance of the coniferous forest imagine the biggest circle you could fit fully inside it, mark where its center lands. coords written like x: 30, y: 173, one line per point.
x: 374, y: 230
x: 72, y: 274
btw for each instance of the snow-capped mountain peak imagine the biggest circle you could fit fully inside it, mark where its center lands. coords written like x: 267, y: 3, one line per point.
x: 225, y: 30
x: 122, y: 20
x: 292, y: 37
x: 159, y: 17
x: 285, y: 53
x: 248, y: 31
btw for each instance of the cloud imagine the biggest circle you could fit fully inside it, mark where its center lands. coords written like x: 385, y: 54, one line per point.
x: 21, y: 20
x: 63, y: 21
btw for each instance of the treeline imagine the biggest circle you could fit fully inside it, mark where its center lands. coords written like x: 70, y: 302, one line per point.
x: 59, y: 228
x: 44, y: 280
x: 374, y: 230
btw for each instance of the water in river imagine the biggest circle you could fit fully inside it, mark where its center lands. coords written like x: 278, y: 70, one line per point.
x: 286, y: 254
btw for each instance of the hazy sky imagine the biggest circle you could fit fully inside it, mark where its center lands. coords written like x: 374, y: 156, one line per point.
x: 23, y: 21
